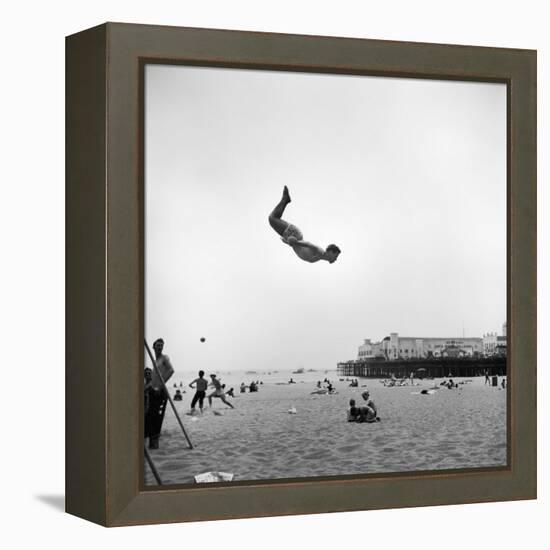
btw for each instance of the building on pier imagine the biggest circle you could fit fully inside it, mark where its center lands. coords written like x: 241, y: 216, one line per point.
x: 405, y: 355
x: 494, y: 344
x: 395, y: 347
x: 425, y: 368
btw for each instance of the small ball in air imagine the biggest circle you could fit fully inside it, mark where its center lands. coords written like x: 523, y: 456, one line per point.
x: 203, y: 339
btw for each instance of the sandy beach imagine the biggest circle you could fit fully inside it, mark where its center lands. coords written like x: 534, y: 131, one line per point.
x: 259, y: 439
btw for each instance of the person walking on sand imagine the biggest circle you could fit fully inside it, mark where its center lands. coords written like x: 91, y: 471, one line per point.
x: 218, y: 391
x: 200, y: 384
x: 487, y: 379
x: 157, y: 394
x: 292, y: 236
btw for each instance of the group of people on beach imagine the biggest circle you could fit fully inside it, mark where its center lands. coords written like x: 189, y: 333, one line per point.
x: 200, y: 385
x: 252, y: 387
x: 394, y: 381
x: 367, y: 413
x: 156, y: 393
x: 327, y: 389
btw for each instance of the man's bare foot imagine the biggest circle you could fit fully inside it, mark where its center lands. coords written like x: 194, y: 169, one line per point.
x: 286, y: 195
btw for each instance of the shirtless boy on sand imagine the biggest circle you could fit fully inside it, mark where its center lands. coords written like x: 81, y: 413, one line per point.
x: 292, y: 236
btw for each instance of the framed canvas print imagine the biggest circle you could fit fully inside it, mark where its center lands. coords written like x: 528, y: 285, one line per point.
x: 301, y: 274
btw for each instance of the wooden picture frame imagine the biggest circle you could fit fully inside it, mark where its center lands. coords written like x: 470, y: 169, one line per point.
x: 105, y: 272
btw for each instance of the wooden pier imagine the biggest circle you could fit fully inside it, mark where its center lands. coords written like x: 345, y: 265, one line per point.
x: 424, y: 368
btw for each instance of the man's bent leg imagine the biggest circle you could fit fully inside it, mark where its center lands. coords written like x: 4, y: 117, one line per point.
x: 227, y: 403
x: 278, y: 224
x: 275, y: 218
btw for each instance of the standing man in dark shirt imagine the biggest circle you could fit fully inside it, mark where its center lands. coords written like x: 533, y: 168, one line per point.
x: 157, y: 395
x: 201, y: 384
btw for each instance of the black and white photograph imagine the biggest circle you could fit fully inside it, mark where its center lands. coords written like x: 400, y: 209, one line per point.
x: 276, y: 274
x: 325, y: 275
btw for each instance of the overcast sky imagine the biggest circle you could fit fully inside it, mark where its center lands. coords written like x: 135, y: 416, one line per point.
x: 407, y: 177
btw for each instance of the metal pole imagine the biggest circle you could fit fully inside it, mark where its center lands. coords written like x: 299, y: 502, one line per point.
x: 152, y: 466
x: 168, y: 394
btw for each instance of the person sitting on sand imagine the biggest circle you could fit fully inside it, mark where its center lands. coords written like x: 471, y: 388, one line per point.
x: 178, y: 396
x: 229, y: 392
x: 292, y: 236
x: 201, y: 384
x: 354, y: 412
x: 369, y: 411
x: 362, y: 414
x: 243, y: 387
x: 218, y: 391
